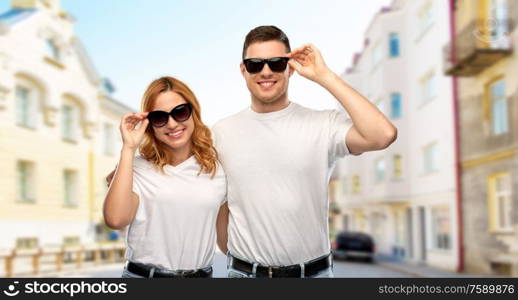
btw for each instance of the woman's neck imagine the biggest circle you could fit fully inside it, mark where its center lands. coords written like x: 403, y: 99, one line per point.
x: 180, y: 155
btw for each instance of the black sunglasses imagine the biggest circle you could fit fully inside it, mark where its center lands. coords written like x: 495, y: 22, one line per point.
x: 256, y: 65
x: 180, y: 113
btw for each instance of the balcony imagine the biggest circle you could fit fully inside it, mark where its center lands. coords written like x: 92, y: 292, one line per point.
x: 478, y: 46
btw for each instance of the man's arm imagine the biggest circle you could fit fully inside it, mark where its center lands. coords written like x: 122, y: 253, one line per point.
x: 222, y: 228
x: 371, y: 130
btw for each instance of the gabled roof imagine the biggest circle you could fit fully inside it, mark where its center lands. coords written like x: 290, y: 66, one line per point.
x: 86, y: 62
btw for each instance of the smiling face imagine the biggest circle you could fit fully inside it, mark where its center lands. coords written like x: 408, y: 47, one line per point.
x: 176, y: 135
x: 268, y: 89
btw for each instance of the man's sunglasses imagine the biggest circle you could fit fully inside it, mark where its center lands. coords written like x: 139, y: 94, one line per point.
x: 255, y: 65
x: 180, y: 113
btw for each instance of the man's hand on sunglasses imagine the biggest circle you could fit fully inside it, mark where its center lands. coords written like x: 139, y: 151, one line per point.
x: 309, y: 63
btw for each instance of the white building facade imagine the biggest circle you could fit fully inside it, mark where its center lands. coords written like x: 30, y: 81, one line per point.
x: 405, y: 196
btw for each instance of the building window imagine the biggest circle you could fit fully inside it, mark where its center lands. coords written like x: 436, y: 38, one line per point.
x: 425, y: 17
x: 26, y: 243
x: 501, y: 22
x: 53, y: 50
x: 430, y: 158
x: 380, y: 170
x: 345, y: 188
x: 428, y: 87
x: 398, y: 172
x: 25, y: 107
x: 377, y: 55
x: 356, y: 184
x: 68, y: 123
x: 109, y: 141
x: 400, y: 228
x: 395, y: 105
x: 377, y: 225
x: 499, y: 119
x: 25, y: 181
x: 441, y: 228
x: 394, y: 44
x: 500, y: 202
x: 70, y: 188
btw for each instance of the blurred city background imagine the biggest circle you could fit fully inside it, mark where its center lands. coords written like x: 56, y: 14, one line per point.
x: 441, y: 201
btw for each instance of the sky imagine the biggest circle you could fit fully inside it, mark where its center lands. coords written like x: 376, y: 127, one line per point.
x: 132, y: 42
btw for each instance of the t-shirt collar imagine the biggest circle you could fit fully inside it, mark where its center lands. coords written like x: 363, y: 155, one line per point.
x: 274, y: 114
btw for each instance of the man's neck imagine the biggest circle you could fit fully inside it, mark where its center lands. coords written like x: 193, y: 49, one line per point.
x: 277, y: 105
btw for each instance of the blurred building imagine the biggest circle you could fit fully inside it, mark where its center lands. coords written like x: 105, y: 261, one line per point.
x: 482, y: 58
x: 58, y: 130
x: 406, y: 195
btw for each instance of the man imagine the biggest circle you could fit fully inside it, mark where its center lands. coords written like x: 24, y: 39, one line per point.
x: 278, y: 157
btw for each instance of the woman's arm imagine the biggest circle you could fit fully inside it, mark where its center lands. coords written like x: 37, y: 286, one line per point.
x: 222, y: 228
x: 121, y: 203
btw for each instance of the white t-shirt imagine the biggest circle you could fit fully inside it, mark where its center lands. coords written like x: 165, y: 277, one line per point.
x: 278, y: 167
x: 175, y: 224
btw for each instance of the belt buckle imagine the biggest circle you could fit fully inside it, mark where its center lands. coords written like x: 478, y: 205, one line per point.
x: 185, y: 273
x: 270, y: 273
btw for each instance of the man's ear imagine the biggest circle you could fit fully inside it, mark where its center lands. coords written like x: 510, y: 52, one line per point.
x: 242, y: 68
x: 290, y: 70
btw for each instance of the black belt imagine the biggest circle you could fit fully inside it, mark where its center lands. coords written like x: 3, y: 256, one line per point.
x: 311, y: 268
x: 145, y: 271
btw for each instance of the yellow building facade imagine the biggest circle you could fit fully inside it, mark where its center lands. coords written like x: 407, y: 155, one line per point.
x: 59, y: 132
x: 482, y: 57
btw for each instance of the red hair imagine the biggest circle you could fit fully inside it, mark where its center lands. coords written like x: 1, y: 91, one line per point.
x: 157, y: 152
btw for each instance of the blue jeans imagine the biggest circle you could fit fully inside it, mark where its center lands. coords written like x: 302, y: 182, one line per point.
x: 233, y: 273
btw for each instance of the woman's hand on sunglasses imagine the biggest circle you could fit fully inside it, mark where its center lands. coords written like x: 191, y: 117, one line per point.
x: 309, y: 63
x: 132, y: 128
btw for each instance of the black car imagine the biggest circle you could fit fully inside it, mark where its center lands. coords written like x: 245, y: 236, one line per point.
x: 350, y: 244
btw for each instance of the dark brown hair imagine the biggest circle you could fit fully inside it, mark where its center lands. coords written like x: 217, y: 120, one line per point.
x: 265, y: 34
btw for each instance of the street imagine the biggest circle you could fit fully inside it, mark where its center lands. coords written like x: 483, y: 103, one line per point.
x: 342, y: 269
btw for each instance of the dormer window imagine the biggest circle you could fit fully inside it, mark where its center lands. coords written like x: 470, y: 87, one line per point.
x: 53, y: 50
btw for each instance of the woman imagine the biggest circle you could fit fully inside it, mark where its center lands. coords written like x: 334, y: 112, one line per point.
x: 173, y: 194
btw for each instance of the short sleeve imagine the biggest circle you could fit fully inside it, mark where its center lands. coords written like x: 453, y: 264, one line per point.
x: 223, y: 175
x: 138, y: 189
x: 339, y: 126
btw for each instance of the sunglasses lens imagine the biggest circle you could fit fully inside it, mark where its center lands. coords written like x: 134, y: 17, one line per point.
x: 182, y: 112
x: 158, y: 118
x: 254, y: 65
x: 278, y: 64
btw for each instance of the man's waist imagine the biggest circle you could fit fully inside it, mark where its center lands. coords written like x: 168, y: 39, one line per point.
x: 307, y: 269
x: 277, y: 254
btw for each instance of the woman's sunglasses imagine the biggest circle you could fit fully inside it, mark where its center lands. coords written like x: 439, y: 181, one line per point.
x: 180, y: 113
x: 255, y: 65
